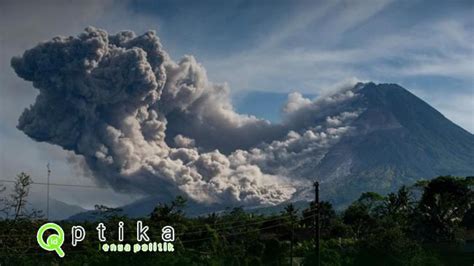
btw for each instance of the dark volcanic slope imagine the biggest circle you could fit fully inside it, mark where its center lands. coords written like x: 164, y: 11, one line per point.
x: 399, y: 139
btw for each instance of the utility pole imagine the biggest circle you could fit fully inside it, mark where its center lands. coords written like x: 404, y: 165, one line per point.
x: 317, y: 234
x: 292, y: 239
x: 47, y: 192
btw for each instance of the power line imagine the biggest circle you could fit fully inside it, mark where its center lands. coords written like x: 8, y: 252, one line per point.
x: 237, y: 226
x: 217, y: 229
x: 55, y: 184
x: 221, y: 234
x: 237, y: 233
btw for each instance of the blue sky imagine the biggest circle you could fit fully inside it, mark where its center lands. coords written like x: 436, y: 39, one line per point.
x: 307, y: 46
x: 273, y: 47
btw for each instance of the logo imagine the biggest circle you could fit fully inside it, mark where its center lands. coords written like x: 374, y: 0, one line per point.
x: 78, y: 234
x: 54, y: 241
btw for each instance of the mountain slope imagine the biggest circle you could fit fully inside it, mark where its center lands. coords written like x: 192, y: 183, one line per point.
x: 58, y: 210
x: 399, y: 139
x: 396, y: 140
x: 145, y: 206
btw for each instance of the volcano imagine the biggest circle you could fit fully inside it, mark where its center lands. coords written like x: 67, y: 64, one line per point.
x: 396, y: 139
x: 400, y: 139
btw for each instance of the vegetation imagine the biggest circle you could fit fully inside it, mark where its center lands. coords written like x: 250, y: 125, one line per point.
x: 14, y: 206
x: 429, y: 223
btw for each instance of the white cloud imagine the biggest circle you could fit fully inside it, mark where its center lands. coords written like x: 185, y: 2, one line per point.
x: 429, y: 49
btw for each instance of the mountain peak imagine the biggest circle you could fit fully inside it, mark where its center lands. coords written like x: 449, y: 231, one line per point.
x: 410, y: 111
x: 398, y: 139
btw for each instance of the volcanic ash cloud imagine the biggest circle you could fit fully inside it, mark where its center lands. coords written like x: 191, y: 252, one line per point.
x: 106, y: 97
x: 146, y: 123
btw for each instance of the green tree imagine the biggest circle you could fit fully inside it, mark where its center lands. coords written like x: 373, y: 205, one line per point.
x: 326, y: 214
x: 290, y: 211
x: 18, y: 201
x: 372, y: 201
x: 399, y: 207
x: 442, y: 208
x: 391, y: 246
x: 170, y: 212
x: 362, y: 215
x: 3, y: 202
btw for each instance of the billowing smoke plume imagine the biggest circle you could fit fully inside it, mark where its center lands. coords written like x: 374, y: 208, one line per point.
x: 142, y: 121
